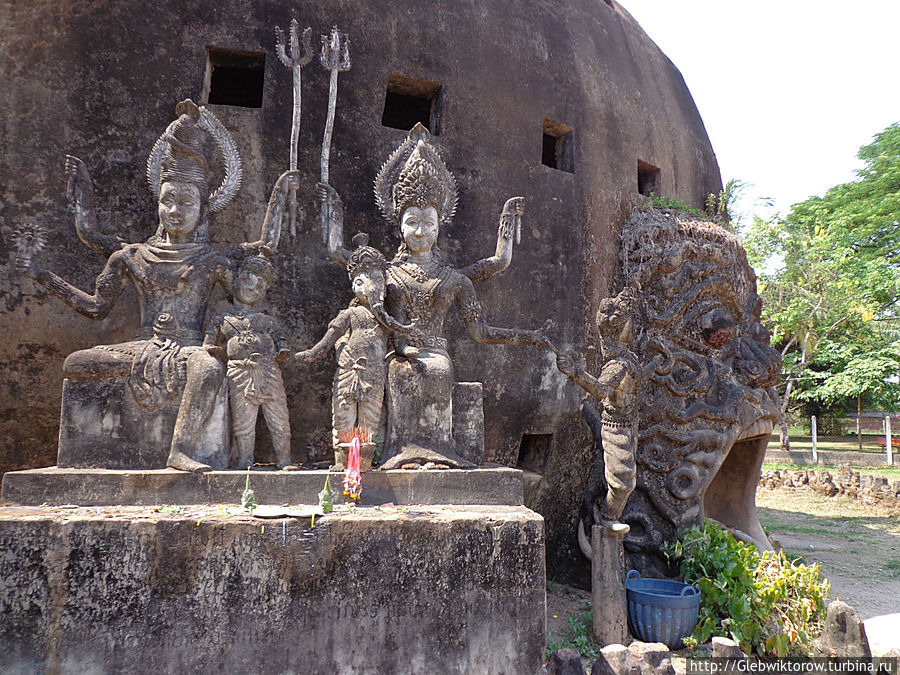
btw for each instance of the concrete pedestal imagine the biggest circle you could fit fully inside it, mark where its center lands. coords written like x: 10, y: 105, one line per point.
x: 98, y: 487
x: 394, y: 590
x: 608, y: 587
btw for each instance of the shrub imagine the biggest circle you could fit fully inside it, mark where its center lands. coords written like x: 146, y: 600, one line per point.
x: 766, y: 603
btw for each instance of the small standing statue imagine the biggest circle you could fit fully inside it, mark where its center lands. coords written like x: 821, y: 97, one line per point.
x: 253, y: 345
x: 616, y: 386
x: 360, y: 335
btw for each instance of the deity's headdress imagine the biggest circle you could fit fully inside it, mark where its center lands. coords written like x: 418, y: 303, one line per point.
x: 364, y: 258
x: 261, y: 266
x: 415, y: 175
x: 178, y: 154
x: 613, y: 312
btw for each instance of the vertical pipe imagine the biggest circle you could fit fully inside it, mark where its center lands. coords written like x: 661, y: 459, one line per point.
x: 815, y: 438
x: 887, y: 440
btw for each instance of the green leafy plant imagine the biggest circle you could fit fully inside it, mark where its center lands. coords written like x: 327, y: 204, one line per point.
x: 766, y: 603
x: 673, y: 204
x: 578, y: 635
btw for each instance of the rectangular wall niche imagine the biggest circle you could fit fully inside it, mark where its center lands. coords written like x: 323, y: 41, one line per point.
x: 533, y: 452
x: 648, y: 178
x: 235, y: 77
x: 409, y: 101
x: 558, y: 151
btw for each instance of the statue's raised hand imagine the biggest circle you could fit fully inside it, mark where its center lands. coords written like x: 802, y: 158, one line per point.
x: 511, y: 218
x: 28, y: 266
x: 288, y: 181
x: 566, y: 364
x: 79, y: 187
x: 306, y: 356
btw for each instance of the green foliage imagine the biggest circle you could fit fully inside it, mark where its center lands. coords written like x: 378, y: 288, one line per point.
x: 833, y: 298
x: 578, y: 635
x: 766, y: 603
x: 673, y: 204
x: 893, y: 567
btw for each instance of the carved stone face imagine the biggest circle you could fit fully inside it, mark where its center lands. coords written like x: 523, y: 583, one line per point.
x: 179, y: 209
x: 419, y: 228
x: 250, y: 287
x: 707, y: 402
x: 368, y: 286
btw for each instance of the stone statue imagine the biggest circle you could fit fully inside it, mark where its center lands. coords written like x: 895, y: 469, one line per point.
x: 416, y: 193
x: 253, y: 344
x: 617, y: 387
x: 360, y: 337
x: 706, y: 401
x: 174, y: 273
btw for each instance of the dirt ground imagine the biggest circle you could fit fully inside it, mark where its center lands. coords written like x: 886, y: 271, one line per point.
x: 858, y: 546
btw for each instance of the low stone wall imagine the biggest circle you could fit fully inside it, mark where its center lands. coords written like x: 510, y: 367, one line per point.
x: 846, y: 482
x: 376, y: 590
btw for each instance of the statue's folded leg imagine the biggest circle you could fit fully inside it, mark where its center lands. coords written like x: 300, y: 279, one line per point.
x: 205, y: 374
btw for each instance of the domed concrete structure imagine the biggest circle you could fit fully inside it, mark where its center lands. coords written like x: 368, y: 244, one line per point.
x: 569, y: 104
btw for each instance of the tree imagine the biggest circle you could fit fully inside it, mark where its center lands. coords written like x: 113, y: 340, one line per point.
x: 836, y: 282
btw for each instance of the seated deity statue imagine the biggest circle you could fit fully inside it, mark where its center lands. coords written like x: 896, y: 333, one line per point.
x: 253, y: 344
x: 417, y: 193
x: 359, y: 335
x: 174, y: 273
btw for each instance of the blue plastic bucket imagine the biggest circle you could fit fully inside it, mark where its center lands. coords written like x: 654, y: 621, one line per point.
x: 660, y: 610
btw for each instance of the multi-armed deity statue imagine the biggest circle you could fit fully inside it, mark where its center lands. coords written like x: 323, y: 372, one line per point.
x: 174, y: 273
x: 417, y: 194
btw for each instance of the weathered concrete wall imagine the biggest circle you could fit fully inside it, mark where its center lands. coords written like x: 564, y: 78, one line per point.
x: 100, y: 79
x: 376, y: 591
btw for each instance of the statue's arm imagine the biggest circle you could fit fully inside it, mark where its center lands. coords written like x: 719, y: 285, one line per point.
x: 213, y: 341
x: 276, y: 332
x: 471, y: 313
x: 271, y: 229
x: 80, y: 192
x: 332, y: 213
x: 600, y: 387
x: 510, y: 224
x: 107, y: 289
x: 335, y: 330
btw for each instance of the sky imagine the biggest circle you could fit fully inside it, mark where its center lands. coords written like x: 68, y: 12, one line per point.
x: 788, y: 89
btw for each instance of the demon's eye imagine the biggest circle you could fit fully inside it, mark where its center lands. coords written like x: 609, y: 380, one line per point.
x: 717, y: 327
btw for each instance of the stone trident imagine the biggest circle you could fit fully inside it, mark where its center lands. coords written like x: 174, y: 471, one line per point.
x: 335, y: 57
x: 295, y: 61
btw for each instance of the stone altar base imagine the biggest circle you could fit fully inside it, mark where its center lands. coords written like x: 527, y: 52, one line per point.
x: 98, y: 487
x: 390, y: 590
x: 101, y: 425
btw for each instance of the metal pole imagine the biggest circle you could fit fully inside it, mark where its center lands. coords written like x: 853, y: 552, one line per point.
x: 815, y: 438
x: 887, y: 440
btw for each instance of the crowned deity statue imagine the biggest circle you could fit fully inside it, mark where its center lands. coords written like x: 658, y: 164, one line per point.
x: 417, y: 194
x: 174, y: 273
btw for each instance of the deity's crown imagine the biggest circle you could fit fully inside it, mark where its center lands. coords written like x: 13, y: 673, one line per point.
x: 364, y: 258
x: 419, y: 183
x: 178, y: 154
x: 415, y: 175
x: 261, y: 266
x: 183, y: 159
x: 612, y: 312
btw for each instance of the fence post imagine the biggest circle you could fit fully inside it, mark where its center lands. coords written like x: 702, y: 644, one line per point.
x: 815, y: 438
x: 888, y: 446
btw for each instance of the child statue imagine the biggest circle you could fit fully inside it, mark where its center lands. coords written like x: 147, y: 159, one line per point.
x: 359, y: 335
x: 253, y: 344
x: 616, y: 386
